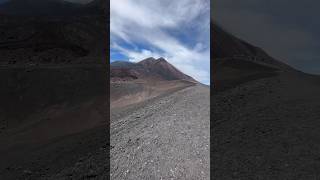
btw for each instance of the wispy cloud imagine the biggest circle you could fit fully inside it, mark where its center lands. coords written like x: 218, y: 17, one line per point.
x: 176, y: 30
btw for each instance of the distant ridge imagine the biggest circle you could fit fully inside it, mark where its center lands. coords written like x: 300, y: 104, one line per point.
x: 226, y: 45
x: 52, y: 32
x: 39, y: 7
x: 51, y: 7
x: 235, y: 61
x: 149, y: 68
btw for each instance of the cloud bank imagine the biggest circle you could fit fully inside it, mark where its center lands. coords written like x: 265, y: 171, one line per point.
x: 179, y: 31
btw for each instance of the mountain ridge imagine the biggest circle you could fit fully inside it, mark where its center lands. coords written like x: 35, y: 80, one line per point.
x: 50, y: 7
x: 226, y: 45
x: 38, y: 7
x: 58, y: 37
x: 235, y: 61
x: 149, y: 68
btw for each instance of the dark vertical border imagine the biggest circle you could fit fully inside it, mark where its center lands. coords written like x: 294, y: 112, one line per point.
x: 212, y: 71
x: 107, y: 60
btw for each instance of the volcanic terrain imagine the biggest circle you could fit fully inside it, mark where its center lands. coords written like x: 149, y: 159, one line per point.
x: 136, y: 82
x: 159, y: 122
x: 53, y: 107
x: 264, y: 114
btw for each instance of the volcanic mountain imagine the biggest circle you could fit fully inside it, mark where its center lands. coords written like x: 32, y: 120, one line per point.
x: 235, y: 61
x: 149, y: 78
x: 52, y: 32
x: 149, y: 68
x: 264, y: 114
x: 153, y: 106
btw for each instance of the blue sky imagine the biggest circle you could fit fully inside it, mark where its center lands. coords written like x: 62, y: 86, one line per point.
x: 179, y: 31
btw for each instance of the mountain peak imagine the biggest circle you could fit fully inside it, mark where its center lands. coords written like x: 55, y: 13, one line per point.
x: 161, y: 59
x: 148, y: 59
x: 150, y: 68
x: 152, y: 60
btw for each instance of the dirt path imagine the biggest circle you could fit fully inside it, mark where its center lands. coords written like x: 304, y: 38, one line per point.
x: 165, y: 139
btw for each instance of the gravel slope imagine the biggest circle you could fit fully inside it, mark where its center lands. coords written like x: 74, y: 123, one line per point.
x: 267, y: 129
x: 164, y: 139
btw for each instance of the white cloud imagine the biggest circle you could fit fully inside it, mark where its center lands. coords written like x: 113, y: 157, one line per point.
x: 148, y: 22
x: 136, y: 56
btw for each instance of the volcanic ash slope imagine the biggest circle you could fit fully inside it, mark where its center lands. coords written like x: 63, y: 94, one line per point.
x: 165, y: 136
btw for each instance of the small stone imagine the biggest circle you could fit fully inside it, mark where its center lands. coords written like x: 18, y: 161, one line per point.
x: 27, y: 172
x: 91, y: 174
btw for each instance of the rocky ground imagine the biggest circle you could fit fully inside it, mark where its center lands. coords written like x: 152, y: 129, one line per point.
x: 267, y: 128
x: 53, y: 122
x: 78, y: 156
x: 165, y: 138
x: 53, y: 79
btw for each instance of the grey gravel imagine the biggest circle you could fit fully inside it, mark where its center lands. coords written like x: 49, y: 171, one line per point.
x: 267, y: 129
x: 168, y: 138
